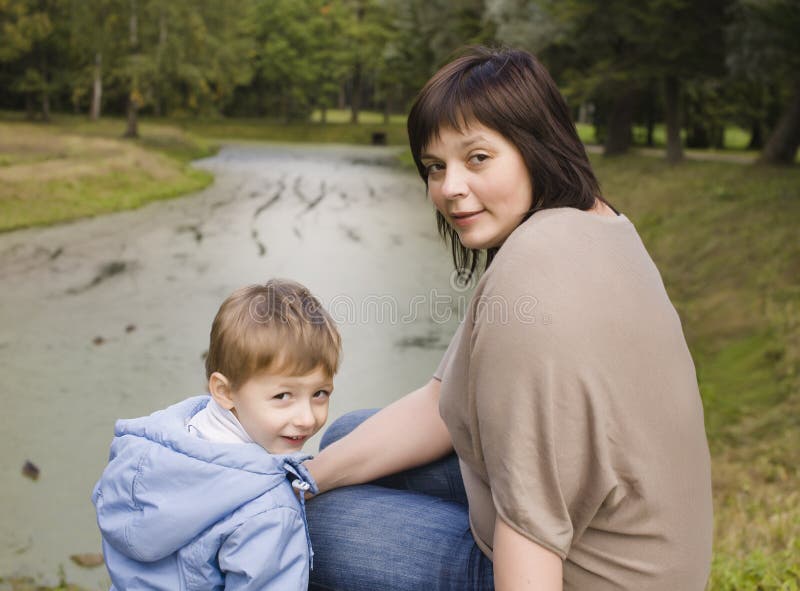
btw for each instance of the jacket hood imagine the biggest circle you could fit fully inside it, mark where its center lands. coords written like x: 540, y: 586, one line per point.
x: 163, y: 486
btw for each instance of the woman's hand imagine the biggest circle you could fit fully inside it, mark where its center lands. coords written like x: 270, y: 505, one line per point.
x: 405, y: 434
x: 523, y: 565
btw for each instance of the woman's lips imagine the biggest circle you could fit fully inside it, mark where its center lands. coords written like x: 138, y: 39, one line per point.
x: 466, y: 218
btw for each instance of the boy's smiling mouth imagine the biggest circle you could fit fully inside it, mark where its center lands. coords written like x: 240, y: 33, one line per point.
x: 295, y: 439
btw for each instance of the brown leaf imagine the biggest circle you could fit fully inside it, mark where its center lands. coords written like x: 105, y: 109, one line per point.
x: 87, y: 560
x: 98, y: 340
x: 30, y: 470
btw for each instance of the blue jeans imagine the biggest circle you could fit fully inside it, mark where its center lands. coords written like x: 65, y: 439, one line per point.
x: 406, y: 532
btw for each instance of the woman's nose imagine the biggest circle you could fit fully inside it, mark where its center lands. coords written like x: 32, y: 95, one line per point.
x: 454, y: 184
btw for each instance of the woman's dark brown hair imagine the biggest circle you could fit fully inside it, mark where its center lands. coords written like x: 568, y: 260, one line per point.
x: 510, y: 92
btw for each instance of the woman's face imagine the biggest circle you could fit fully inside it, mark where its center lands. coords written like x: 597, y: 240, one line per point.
x: 478, y: 180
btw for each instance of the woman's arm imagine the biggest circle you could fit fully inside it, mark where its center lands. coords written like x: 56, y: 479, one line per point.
x: 407, y: 433
x: 523, y: 565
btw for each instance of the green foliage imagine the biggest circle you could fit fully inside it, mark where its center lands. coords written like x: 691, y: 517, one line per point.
x: 22, y: 25
x: 758, y: 571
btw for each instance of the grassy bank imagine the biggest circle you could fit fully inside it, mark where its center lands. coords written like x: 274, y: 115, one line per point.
x: 725, y: 238
x: 72, y: 168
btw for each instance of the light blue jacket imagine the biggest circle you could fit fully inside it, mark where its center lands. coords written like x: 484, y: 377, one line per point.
x: 180, y: 513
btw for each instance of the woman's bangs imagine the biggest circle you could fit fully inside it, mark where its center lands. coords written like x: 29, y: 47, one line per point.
x: 455, y: 104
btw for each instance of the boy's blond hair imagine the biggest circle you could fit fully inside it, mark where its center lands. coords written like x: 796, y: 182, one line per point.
x: 278, y: 326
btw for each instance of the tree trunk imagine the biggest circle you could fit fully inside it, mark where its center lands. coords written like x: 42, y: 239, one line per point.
x: 161, y: 48
x: 355, y: 95
x: 718, y: 136
x: 132, y: 130
x: 583, y: 113
x: 133, y: 26
x: 672, y: 107
x: 45, y: 91
x: 782, y: 144
x: 30, y: 112
x: 387, y: 110
x: 756, y: 135
x: 97, y: 87
x: 650, y: 115
x: 618, y: 138
x: 46, y: 105
x: 324, y: 114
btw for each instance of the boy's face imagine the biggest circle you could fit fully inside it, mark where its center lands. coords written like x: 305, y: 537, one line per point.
x: 281, y: 412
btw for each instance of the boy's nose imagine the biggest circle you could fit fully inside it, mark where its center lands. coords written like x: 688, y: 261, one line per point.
x: 304, y: 417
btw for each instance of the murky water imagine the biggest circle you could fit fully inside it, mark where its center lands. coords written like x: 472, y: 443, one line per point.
x: 109, y: 317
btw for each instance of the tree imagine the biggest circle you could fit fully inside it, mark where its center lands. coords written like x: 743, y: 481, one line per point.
x: 610, y: 52
x: 769, y: 56
x: 298, y: 55
x: 26, y: 28
x: 93, y: 48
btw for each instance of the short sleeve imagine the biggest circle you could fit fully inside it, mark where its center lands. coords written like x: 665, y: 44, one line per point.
x: 448, y: 354
x: 540, y: 430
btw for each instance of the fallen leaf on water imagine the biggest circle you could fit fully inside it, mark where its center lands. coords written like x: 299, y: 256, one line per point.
x: 98, y: 340
x: 87, y: 560
x: 30, y: 470
x: 130, y: 328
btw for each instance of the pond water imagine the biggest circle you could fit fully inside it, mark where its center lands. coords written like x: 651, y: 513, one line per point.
x: 109, y: 317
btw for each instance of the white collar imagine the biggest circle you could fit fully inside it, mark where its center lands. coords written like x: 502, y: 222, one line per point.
x: 218, y: 424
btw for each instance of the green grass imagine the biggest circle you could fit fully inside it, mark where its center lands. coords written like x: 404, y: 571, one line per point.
x: 339, y: 133
x: 369, y: 117
x: 73, y: 168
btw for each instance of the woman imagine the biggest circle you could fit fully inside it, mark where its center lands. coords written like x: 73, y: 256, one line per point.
x: 567, y: 393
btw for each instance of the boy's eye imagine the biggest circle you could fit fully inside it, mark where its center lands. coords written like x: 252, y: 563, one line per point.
x: 321, y: 394
x: 281, y: 396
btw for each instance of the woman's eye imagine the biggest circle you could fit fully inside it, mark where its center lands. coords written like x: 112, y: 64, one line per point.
x: 433, y: 168
x: 478, y: 158
x: 281, y: 396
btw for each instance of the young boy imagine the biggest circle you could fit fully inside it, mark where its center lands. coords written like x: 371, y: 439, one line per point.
x: 200, y: 495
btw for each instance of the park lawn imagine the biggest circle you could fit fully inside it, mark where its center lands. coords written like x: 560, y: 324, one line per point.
x: 724, y: 237
x: 370, y: 117
x: 72, y: 168
x: 318, y: 133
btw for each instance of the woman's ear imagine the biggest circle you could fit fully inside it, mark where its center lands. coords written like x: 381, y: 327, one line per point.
x: 220, y: 389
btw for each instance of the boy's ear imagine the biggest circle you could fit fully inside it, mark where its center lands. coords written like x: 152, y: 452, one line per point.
x: 220, y: 389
